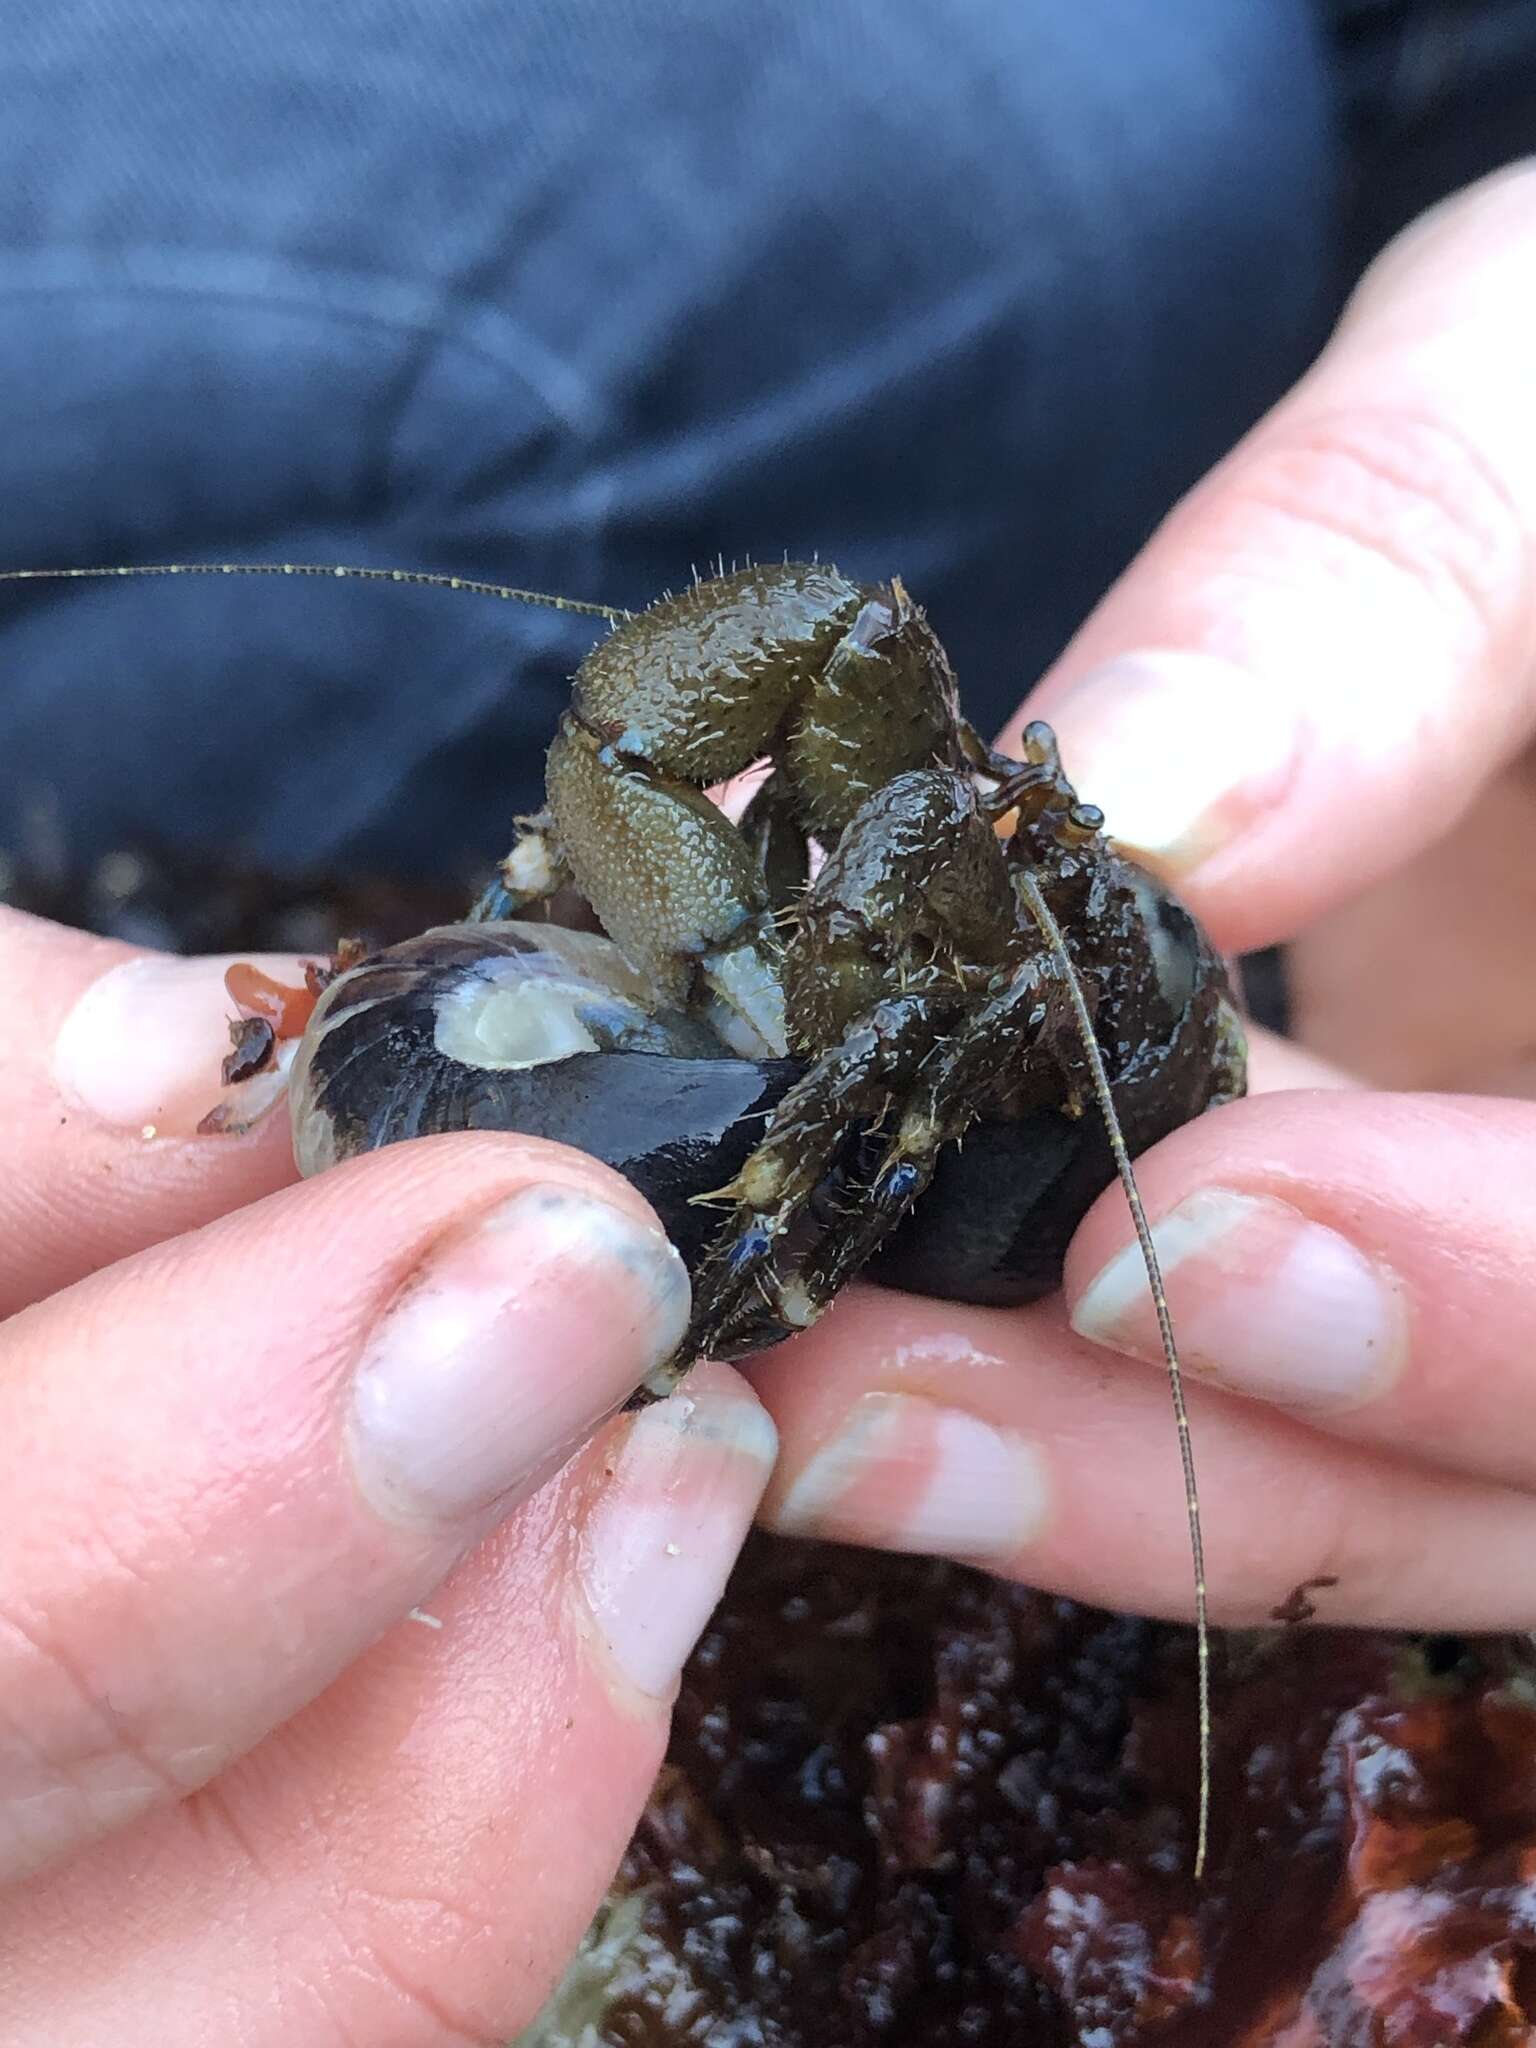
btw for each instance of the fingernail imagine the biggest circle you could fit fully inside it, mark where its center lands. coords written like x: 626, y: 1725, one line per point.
x: 664, y: 1533
x: 144, y: 1046
x: 904, y: 1473
x: 1264, y: 1301
x: 1179, y: 750
x: 515, y: 1338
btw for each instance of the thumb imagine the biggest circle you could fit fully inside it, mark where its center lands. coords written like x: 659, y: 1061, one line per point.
x: 1330, y: 645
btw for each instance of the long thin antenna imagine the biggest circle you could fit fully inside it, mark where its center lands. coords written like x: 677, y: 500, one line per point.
x: 347, y: 572
x: 1052, y: 930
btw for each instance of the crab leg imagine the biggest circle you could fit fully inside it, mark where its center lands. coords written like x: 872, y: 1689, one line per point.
x: 845, y: 1086
x: 1032, y: 1010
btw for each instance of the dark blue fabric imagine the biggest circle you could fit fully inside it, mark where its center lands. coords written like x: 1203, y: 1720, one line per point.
x: 580, y: 295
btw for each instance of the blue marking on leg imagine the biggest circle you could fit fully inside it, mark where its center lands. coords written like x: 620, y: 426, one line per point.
x: 751, y: 1247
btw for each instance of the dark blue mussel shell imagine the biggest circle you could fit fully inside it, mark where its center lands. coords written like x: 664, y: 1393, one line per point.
x: 655, y: 1097
x: 373, y: 1072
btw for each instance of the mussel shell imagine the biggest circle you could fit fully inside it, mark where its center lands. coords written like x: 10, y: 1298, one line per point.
x: 676, y: 1114
x: 372, y: 1071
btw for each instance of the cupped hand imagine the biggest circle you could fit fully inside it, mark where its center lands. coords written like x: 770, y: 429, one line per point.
x: 1311, y: 703
x: 316, y: 1725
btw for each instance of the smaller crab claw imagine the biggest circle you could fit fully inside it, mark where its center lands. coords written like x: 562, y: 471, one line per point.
x: 746, y: 1005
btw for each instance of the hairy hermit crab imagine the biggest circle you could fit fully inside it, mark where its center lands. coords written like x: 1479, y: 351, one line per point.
x: 783, y: 1061
x: 781, y: 1030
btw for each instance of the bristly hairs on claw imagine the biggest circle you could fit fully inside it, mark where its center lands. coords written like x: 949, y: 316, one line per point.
x: 347, y: 572
x: 1046, y: 920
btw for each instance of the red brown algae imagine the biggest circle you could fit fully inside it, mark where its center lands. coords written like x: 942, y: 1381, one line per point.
x: 907, y: 1803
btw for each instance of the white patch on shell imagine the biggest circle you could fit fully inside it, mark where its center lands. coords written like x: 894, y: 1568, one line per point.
x: 1172, y: 959
x: 507, y: 1021
x: 525, y: 1009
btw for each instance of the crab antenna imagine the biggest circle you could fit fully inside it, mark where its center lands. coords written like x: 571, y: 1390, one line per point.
x: 1052, y: 930
x: 348, y: 572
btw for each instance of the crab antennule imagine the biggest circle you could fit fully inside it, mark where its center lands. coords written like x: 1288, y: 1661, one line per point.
x: 347, y: 572
x: 1052, y: 930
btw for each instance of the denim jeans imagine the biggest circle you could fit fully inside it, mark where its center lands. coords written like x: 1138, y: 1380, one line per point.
x: 581, y: 295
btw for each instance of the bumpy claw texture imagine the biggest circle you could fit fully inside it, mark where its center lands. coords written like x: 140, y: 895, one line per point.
x: 700, y: 683
x: 792, y: 1062
x: 618, y: 820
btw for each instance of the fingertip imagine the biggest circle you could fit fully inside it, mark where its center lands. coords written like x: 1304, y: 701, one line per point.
x: 1268, y: 1303
x: 404, y: 1350
x: 904, y: 1472
x: 1181, y: 750
x: 1338, y: 619
x: 680, y: 1483
x: 521, y: 1328
x: 110, y: 1061
x: 142, y: 1047
x: 1261, y: 1139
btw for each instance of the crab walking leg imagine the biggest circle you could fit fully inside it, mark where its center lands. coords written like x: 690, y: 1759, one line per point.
x: 1031, y: 1010
x: 879, y: 1055
x: 912, y: 919
x: 534, y: 869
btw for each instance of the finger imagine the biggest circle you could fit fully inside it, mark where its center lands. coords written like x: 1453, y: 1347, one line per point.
x: 413, y: 1858
x: 1470, y: 1025
x: 1327, y: 649
x: 996, y: 1439
x: 1367, y: 1263
x: 1276, y: 1063
x: 230, y: 1462
x: 108, y: 1059
x: 1003, y: 1438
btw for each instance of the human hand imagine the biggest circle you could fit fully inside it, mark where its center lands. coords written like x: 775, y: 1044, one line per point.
x: 1311, y: 701
x: 315, y: 1725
